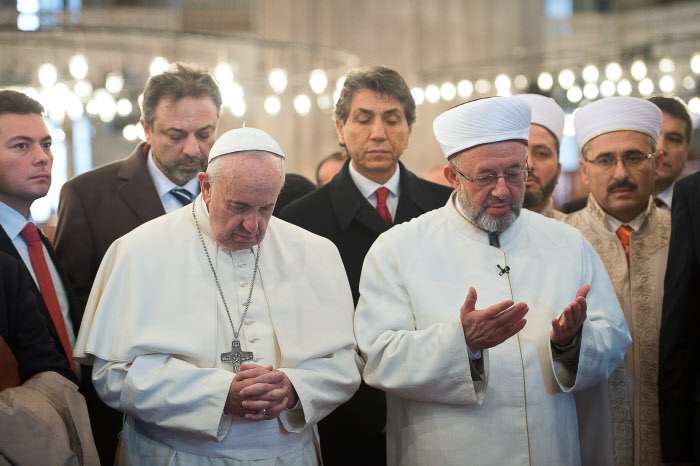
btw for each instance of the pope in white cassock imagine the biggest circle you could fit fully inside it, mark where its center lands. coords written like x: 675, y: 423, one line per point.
x: 224, y: 334
x: 487, y: 386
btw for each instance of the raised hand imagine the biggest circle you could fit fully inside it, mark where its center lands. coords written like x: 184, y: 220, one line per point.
x: 569, y: 322
x: 486, y: 328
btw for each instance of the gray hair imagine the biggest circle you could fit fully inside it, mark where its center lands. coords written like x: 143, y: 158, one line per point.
x: 380, y: 79
x: 178, y: 82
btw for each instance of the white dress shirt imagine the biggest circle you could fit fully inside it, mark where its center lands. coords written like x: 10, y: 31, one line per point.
x: 635, y: 223
x: 164, y: 185
x: 368, y: 187
x: 13, y: 222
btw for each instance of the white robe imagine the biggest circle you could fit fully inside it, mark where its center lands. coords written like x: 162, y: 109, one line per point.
x: 151, y: 327
x: 414, y: 281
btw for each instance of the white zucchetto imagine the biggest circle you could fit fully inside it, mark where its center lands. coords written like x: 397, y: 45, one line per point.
x: 481, y: 121
x: 242, y: 140
x: 616, y: 114
x: 545, y: 112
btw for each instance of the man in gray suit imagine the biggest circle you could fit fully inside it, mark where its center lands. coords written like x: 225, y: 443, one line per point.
x: 180, y: 112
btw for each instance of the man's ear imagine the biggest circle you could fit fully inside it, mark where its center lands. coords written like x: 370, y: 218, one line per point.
x: 450, y: 175
x: 339, y: 131
x: 147, y: 130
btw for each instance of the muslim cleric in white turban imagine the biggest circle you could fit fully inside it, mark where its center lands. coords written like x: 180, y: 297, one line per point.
x: 544, y: 138
x: 486, y: 379
x: 224, y: 334
x: 617, y: 137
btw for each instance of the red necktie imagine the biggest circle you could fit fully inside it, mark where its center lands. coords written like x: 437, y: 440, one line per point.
x: 48, y: 292
x: 383, y: 211
x: 623, y: 233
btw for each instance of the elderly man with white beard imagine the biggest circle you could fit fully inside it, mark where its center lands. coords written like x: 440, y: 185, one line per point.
x: 480, y: 385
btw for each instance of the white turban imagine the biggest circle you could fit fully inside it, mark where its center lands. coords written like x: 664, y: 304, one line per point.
x: 616, y: 114
x: 244, y: 139
x: 481, y: 121
x: 545, y: 112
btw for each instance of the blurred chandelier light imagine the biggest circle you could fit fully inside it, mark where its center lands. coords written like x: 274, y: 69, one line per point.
x: 590, y: 74
x: 646, y: 87
x: 545, y: 81
x: 666, y: 65
x: 667, y: 84
x: 482, y: 86
x: 638, y: 70
x: 83, y: 89
x: 302, y: 104
x: 78, y: 66
x: 502, y: 84
x: 695, y: 63
x: 520, y: 82
x: 613, y: 71
x: 465, y: 88
x: 607, y: 88
x: 318, y: 81
x: 114, y: 83
x: 418, y: 95
x: 694, y: 105
x: 277, y: 80
x: 159, y: 65
x: 223, y: 72
x: 324, y: 102
x: 590, y: 91
x: 130, y: 132
x: 688, y: 83
x: 272, y: 105
x: 124, y: 107
x: 566, y: 79
x: 238, y: 108
x: 432, y: 93
x: 48, y: 74
x: 574, y: 94
x: 448, y: 91
x: 624, y: 87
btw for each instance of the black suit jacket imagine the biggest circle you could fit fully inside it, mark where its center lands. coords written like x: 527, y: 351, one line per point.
x: 22, y: 326
x: 354, y: 433
x: 679, y: 343
x: 98, y: 207
x: 75, y: 312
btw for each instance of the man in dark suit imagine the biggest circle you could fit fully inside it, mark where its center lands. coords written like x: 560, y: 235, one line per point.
x: 25, y: 176
x: 372, y: 192
x: 679, y: 345
x: 180, y: 112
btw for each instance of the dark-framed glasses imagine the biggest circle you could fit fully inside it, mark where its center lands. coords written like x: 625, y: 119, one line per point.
x: 632, y: 159
x: 512, y: 176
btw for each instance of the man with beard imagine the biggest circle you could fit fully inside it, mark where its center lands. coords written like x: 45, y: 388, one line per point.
x: 544, y: 138
x: 180, y: 112
x: 482, y: 386
x: 617, y: 136
x: 672, y: 146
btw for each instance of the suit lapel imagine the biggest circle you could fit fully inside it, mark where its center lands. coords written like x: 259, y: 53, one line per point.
x: 349, y: 204
x: 7, y: 246
x: 74, y: 310
x: 136, y: 187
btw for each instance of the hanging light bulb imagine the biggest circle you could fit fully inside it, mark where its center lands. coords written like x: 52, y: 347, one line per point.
x: 566, y: 78
x: 277, y: 80
x: 272, y: 105
x: 302, y: 104
x: 78, y: 66
x: 418, y: 95
x: 545, y: 81
x: 448, y: 91
x: 432, y: 93
x: 638, y: 70
x: 613, y: 71
x: 223, y: 72
x: 590, y: 74
x: 48, y: 74
x: 318, y: 81
x: 465, y: 88
x: 159, y: 65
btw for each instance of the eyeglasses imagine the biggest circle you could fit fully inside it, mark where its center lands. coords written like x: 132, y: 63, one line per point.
x: 630, y: 160
x: 511, y: 176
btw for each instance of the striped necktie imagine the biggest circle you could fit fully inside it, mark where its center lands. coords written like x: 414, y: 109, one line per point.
x: 182, y: 195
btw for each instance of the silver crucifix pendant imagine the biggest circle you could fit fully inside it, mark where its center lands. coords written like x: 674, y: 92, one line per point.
x: 236, y: 356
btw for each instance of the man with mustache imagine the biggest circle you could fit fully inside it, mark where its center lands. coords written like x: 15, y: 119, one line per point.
x: 618, y: 136
x: 468, y: 380
x: 544, y: 138
x: 179, y: 115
